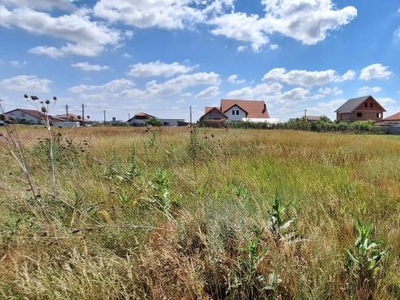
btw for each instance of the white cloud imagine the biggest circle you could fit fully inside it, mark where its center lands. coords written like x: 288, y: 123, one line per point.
x: 124, y: 89
x: 85, y: 66
x: 158, y: 68
x: 110, y: 87
x: 241, y: 48
x: 41, y: 4
x: 234, y: 79
x: 166, y: 14
x: 259, y: 91
x: 306, y: 78
x: 308, y: 21
x: 26, y: 84
x: 49, y: 51
x: 367, y: 90
x: 209, y: 92
x: 182, y: 82
x: 241, y: 27
x: 349, y: 75
x: 18, y: 64
x: 83, y: 36
x: 375, y: 71
x: 274, y: 47
x: 327, y: 91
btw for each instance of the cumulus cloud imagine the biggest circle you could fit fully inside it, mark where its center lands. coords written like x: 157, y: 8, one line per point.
x: 368, y: 90
x: 241, y: 27
x: 375, y: 71
x: 209, y: 92
x: 234, y: 78
x: 85, y: 66
x: 166, y: 14
x: 18, y: 64
x: 83, y: 36
x: 123, y: 88
x: 26, y: 83
x: 258, y: 91
x: 111, y: 87
x: 307, y: 78
x: 306, y: 21
x: 158, y: 68
x: 41, y: 4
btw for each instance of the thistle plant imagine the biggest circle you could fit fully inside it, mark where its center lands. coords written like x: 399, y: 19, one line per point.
x: 279, y: 220
x: 45, y: 109
x: 363, y: 261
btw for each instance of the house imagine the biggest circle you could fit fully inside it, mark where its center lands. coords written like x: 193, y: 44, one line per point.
x: 28, y: 116
x: 140, y: 119
x: 237, y: 110
x: 68, y: 117
x: 390, y: 124
x: 360, y: 109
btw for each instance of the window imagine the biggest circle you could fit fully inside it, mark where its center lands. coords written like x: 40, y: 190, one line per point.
x: 378, y: 115
x: 359, y: 115
x: 366, y: 104
x: 235, y: 112
x: 371, y: 104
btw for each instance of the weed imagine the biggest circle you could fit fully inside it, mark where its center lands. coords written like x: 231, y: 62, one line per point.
x: 363, y: 262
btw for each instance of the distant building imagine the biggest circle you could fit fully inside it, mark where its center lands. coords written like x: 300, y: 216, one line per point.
x: 141, y: 118
x: 360, y: 109
x: 238, y: 110
x: 28, y: 116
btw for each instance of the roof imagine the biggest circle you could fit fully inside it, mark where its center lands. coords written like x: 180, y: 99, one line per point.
x: 395, y: 117
x: 32, y: 112
x: 214, y: 110
x: 254, y: 108
x: 72, y: 117
x: 353, y: 103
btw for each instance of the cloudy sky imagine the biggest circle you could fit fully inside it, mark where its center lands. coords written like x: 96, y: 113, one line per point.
x: 165, y: 56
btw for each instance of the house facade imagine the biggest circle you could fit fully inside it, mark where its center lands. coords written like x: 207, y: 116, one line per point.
x: 237, y: 110
x: 360, y: 109
x: 29, y: 116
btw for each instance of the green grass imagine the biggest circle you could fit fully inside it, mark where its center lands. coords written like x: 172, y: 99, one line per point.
x: 185, y: 214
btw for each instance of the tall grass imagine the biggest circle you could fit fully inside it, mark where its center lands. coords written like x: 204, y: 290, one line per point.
x: 161, y: 213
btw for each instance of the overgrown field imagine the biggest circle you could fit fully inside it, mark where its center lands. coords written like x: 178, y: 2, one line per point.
x: 186, y: 213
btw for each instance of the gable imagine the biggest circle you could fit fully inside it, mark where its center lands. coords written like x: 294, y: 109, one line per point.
x: 253, y: 108
x: 354, y: 104
x: 213, y: 114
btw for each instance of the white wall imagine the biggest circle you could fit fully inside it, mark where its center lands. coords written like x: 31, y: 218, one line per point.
x: 235, y: 117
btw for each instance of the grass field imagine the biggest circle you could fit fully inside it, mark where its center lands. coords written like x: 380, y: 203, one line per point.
x: 186, y: 213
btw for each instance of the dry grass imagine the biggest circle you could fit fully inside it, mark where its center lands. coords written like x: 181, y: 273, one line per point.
x: 184, y: 214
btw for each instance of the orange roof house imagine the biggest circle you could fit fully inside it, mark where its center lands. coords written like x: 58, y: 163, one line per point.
x: 237, y: 110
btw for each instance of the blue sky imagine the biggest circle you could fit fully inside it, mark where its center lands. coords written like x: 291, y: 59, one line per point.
x: 164, y: 56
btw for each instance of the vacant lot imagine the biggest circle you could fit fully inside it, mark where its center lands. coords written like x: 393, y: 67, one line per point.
x: 184, y: 213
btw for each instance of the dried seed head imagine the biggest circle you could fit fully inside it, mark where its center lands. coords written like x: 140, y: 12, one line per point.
x: 44, y: 109
x: 55, y: 98
x: 47, y: 101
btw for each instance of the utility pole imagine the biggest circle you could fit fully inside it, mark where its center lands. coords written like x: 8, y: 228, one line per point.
x: 66, y: 109
x: 104, y: 112
x: 190, y: 115
x: 83, y: 114
x: 305, y: 115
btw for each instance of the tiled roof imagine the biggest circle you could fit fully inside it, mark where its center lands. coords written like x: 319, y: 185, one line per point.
x: 34, y: 113
x: 143, y: 114
x: 217, y: 112
x: 395, y: 117
x: 254, y: 108
x: 71, y: 117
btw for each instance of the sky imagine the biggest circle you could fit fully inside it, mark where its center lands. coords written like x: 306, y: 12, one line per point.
x: 117, y: 58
